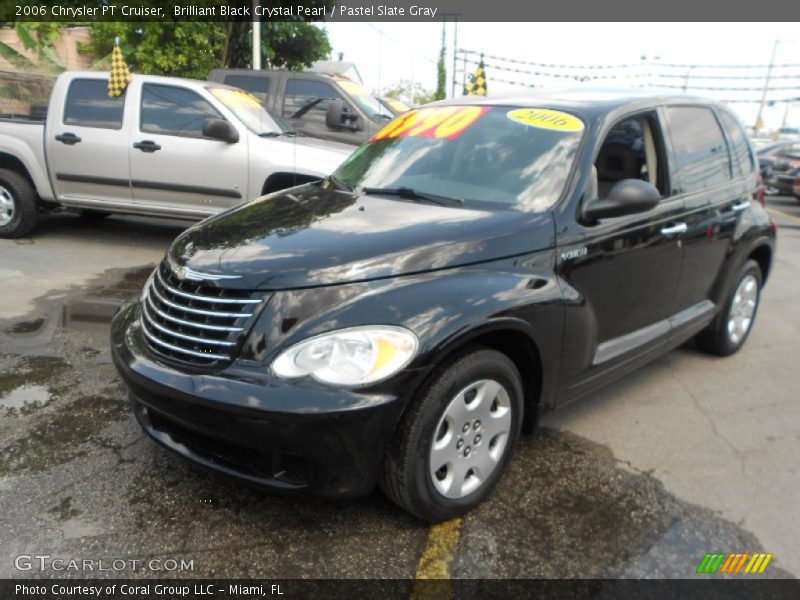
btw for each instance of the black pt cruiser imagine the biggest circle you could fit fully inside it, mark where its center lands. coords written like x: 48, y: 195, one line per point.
x: 475, y: 263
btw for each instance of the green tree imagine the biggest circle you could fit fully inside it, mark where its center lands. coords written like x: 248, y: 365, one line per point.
x: 185, y: 49
x: 37, y: 38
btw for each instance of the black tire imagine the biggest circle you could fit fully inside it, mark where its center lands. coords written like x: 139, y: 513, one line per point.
x: 716, y: 338
x: 93, y: 215
x: 405, y: 476
x: 24, y: 213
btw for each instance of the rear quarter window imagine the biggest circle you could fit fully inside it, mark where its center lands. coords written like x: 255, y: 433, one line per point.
x: 741, y: 154
x: 258, y: 86
x: 89, y: 105
x: 701, y: 154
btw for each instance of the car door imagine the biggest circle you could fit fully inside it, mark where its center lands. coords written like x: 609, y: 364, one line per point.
x: 173, y: 165
x: 621, y: 272
x: 87, y: 145
x: 305, y: 104
x: 714, y: 202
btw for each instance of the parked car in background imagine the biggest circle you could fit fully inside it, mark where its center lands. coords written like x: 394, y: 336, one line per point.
x: 321, y: 105
x: 768, y: 152
x: 166, y: 147
x: 784, y: 171
x: 478, y: 262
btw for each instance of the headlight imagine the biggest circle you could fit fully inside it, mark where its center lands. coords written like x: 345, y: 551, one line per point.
x: 349, y: 357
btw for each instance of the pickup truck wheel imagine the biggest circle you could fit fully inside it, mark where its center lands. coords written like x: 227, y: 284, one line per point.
x: 17, y: 205
x: 453, y: 444
x: 729, y: 330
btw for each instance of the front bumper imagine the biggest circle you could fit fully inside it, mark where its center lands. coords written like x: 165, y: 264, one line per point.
x: 286, y: 437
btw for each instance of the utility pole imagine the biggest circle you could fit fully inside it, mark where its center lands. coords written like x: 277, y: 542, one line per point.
x: 455, y: 55
x: 256, y: 39
x: 758, y: 123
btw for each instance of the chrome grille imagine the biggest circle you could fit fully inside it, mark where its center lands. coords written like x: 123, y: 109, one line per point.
x: 193, y: 322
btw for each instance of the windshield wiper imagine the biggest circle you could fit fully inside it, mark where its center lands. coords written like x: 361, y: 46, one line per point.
x: 412, y: 194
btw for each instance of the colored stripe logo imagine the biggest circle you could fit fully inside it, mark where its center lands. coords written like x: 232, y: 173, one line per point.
x: 734, y: 564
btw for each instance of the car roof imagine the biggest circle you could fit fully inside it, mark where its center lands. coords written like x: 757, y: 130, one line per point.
x: 149, y: 79
x: 587, y: 100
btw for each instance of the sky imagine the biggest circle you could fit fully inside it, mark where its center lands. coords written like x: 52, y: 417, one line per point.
x: 386, y: 53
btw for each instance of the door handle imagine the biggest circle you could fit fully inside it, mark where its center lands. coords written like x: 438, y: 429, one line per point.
x: 146, y: 146
x: 673, y: 229
x: 740, y: 206
x: 70, y: 139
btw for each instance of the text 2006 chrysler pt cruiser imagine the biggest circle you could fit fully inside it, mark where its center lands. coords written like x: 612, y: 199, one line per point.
x: 477, y: 262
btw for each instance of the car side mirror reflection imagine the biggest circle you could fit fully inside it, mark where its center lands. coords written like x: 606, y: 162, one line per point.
x: 220, y: 129
x: 626, y: 197
x: 338, y: 117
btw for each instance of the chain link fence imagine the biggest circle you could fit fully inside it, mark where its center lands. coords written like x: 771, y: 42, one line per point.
x: 24, y: 95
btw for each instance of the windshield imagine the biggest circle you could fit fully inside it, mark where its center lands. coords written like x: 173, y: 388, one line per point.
x: 512, y: 157
x: 368, y: 103
x: 249, y: 111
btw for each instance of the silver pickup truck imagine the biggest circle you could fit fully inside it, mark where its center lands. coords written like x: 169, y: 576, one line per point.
x: 166, y: 147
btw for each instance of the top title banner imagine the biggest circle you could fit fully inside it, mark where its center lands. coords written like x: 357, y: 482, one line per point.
x: 420, y: 10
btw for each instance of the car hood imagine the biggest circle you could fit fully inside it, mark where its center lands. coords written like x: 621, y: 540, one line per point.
x: 301, y: 153
x: 312, y: 236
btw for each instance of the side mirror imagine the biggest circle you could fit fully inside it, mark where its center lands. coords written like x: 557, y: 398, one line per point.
x: 626, y: 197
x: 220, y: 129
x: 338, y: 117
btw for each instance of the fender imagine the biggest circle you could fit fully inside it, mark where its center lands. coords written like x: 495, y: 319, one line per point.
x: 16, y: 148
x: 446, y: 309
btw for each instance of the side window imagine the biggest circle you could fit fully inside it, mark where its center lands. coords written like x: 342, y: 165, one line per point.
x: 300, y: 92
x: 701, y: 155
x: 742, y: 157
x: 170, y: 110
x: 258, y: 86
x: 631, y: 150
x: 89, y: 105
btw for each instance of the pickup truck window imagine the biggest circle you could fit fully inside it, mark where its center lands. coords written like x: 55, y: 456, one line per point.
x: 89, y: 105
x: 258, y: 86
x: 171, y: 110
x: 300, y: 92
x: 701, y: 155
x: 249, y: 111
x: 499, y: 156
x: 743, y: 161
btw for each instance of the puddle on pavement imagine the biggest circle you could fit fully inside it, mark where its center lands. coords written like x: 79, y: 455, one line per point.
x: 67, y: 433
x: 25, y: 398
x: 28, y: 386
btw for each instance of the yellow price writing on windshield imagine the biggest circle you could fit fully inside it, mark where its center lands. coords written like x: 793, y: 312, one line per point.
x: 440, y: 122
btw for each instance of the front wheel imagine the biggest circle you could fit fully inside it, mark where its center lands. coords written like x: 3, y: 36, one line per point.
x: 729, y: 330
x: 18, y: 210
x: 454, y: 443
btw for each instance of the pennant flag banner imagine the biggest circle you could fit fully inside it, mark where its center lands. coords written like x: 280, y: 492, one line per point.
x: 120, y: 75
x: 476, y: 86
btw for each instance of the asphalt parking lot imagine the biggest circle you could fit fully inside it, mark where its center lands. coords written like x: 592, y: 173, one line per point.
x: 689, y: 455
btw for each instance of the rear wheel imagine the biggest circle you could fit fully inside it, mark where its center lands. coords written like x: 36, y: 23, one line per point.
x: 453, y: 445
x: 17, y: 205
x: 729, y: 330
